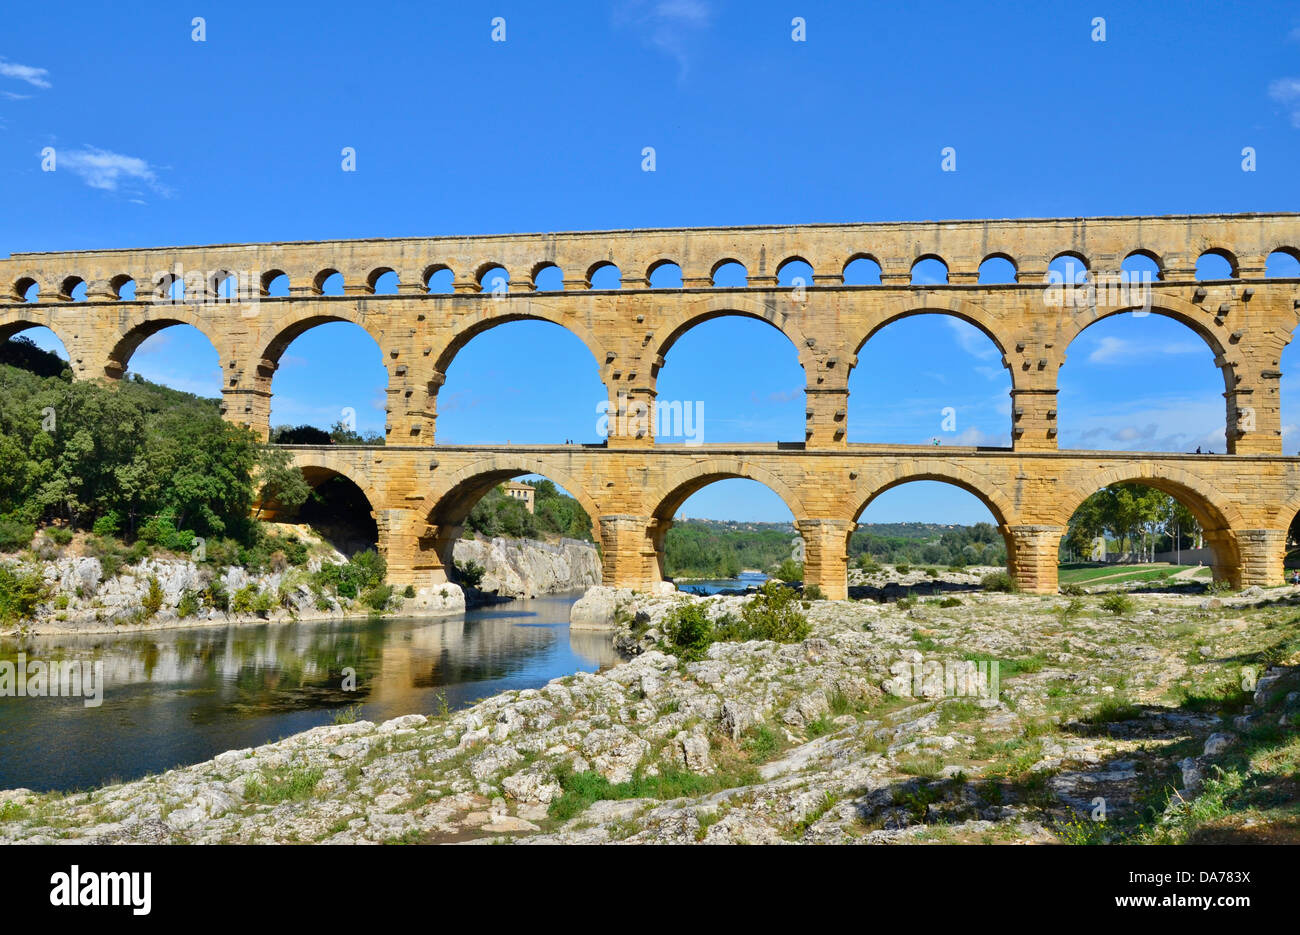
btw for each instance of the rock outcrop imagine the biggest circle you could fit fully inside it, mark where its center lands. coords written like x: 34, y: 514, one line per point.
x: 528, y: 568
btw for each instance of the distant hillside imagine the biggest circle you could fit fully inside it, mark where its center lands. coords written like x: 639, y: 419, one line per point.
x: 709, y: 547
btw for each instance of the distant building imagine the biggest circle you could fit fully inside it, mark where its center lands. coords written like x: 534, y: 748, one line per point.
x: 522, y: 492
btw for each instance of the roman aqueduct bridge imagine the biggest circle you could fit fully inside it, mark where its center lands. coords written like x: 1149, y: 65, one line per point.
x: 103, y: 304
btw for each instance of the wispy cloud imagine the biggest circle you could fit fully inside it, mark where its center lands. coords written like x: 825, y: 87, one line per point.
x: 666, y: 25
x: 972, y: 340
x: 1113, y: 350
x: 111, y: 172
x: 36, y: 77
x: 1286, y: 91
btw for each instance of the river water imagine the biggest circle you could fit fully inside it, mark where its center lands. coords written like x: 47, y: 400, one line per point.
x: 177, y: 697
x: 744, y: 580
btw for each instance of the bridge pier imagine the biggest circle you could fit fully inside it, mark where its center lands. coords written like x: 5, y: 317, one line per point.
x: 1262, y: 553
x: 1032, y: 552
x: 630, y: 551
x: 826, y: 561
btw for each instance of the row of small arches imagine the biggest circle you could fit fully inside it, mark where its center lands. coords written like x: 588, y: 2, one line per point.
x: 929, y: 269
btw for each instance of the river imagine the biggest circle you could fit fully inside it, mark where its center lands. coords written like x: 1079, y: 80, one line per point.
x: 744, y: 580
x: 178, y: 697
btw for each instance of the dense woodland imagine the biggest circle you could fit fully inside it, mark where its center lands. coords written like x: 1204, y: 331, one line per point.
x: 555, y: 514
x: 1137, y: 519
x: 131, y: 460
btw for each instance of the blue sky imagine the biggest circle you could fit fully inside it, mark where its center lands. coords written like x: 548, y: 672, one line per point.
x: 164, y: 140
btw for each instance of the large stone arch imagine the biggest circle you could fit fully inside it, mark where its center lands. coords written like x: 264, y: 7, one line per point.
x: 13, y: 323
x: 724, y: 304
x: 467, y: 329
x: 284, y: 329
x: 937, y: 303
x: 459, y: 490
x: 1199, y: 320
x: 318, y: 465
x: 1199, y: 495
x: 948, y: 472
x: 144, y: 324
x: 663, y: 502
x: 1216, y: 512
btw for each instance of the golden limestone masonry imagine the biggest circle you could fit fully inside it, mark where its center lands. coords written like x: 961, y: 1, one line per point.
x: 631, y: 486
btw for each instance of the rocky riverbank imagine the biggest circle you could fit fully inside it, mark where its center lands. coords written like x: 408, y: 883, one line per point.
x: 170, y: 591
x: 525, y: 568
x: 1168, y: 719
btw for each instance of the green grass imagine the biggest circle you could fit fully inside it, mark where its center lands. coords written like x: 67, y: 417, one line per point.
x: 583, y: 789
x: 284, y: 784
x: 1088, y: 571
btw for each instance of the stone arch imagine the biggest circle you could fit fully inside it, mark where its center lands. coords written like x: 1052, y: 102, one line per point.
x: 659, y: 263
x: 269, y: 277
x: 463, y: 488
x: 471, y: 327
x: 1199, y: 320
x: 144, y: 326
x: 1224, y: 254
x: 720, y: 306
x: 663, y: 503
x: 317, y: 465
x: 318, y: 281
x: 1146, y: 254
x: 665, y: 500
x: 13, y: 323
x: 941, y: 304
x: 1214, y: 510
x: 945, y: 471
x: 285, y: 330
x: 477, y: 478
x: 1002, y: 257
x: 373, y: 277
x: 925, y: 258
x: 433, y: 269
x: 119, y: 282
x: 727, y: 261
x: 23, y: 283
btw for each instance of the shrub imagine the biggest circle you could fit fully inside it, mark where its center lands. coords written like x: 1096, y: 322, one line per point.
x: 1073, y: 590
x: 215, y: 595
x: 1117, y: 603
x: 868, y: 564
x: 689, y: 631
x: 21, y: 592
x: 244, y: 600
x: 470, y: 573
x: 61, y: 535
x: 999, y: 581
x: 932, y: 572
x: 408, y: 591
x: 15, y: 535
x: 774, y: 614
x: 950, y: 602
x: 377, y: 598
x: 110, y: 524
x: 814, y: 593
x: 158, y: 530
x: 188, y: 605
x: 152, y: 601
x: 902, y: 569
x: 789, y: 570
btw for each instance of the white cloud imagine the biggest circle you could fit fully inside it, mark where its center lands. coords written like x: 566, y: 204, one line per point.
x: 666, y: 25
x: 1286, y: 91
x: 109, y: 171
x: 36, y: 77
x: 1112, y: 350
x: 972, y: 340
